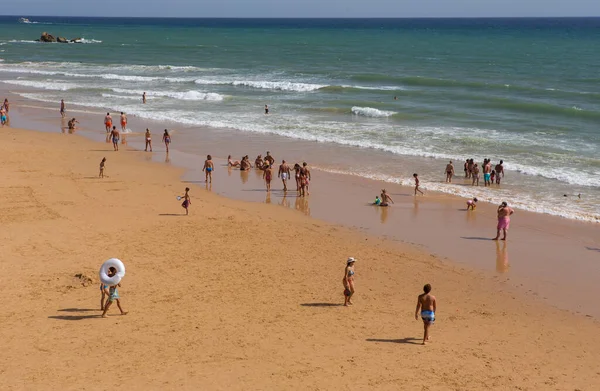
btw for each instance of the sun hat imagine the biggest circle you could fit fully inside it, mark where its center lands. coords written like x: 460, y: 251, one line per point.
x: 350, y: 260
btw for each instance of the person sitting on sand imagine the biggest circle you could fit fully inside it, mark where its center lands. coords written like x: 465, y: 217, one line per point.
x: 231, y: 163
x: 385, y: 198
x: 258, y: 162
x: 427, y: 305
x: 148, y: 137
x: 102, y: 165
x: 472, y: 204
x: 112, y: 293
x: 208, y: 168
x: 377, y: 201
x: 348, y: 281
x: 504, y: 212
x: 187, y: 201
x: 71, y: 124
x: 245, y: 164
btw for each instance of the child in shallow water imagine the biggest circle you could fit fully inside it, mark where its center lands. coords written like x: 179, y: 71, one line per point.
x: 472, y: 204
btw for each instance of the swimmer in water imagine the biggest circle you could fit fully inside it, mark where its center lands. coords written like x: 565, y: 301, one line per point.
x: 266, y: 109
x: 472, y: 204
x: 208, y: 168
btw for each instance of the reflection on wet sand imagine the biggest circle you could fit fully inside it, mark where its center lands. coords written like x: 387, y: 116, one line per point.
x: 244, y: 176
x: 284, y: 201
x: 208, y: 186
x: 471, y: 216
x: 384, y: 212
x: 415, y: 211
x: 268, y: 199
x: 302, y: 205
x: 502, y: 265
x: 167, y: 158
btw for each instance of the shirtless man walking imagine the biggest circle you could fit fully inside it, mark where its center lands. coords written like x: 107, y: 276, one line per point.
x: 504, y: 212
x: 499, y: 170
x: 284, y: 174
x: 449, y: 172
x: 307, y: 177
x: 115, y: 136
x: 108, y: 123
x: 63, y: 109
x: 123, y: 122
x: 427, y: 305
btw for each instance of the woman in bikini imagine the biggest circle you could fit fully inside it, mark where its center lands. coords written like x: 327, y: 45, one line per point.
x: 167, y: 139
x: 267, y: 176
x: 297, y: 170
x: 231, y: 163
x: 348, y: 281
x: 148, y: 140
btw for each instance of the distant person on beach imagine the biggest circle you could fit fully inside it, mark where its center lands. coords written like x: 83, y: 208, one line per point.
x: 108, y: 123
x: 417, y: 184
x: 231, y: 163
x: 470, y: 168
x: 493, y: 176
x: 123, y: 122
x: 208, y: 168
x: 487, y: 173
x: 466, y: 165
x: 395, y: 98
x: 267, y: 176
x: 102, y: 165
x: 385, y: 198
x: 348, y: 281
x: 259, y: 162
x: 115, y: 136
x: 266, y: 109
x: 6, y: 105
x: 307, y: 177
x: 499, y: 171
x: 426, y: 303
x: 504, y: 213
x: 475, y: 175
x: 472, y: 204
x: 270, y: 159
x: 112, y: 294
x: 3, y: 117
x: 63, y: 108
x: 245, y: 164
x: 297, y: 171
x: 284, y: 173
x: 148, y: 138
x: 167, y: 139
x: 144, y: 98
x: 377, y: 201
x: 187, y: 201
x: 449, y: 172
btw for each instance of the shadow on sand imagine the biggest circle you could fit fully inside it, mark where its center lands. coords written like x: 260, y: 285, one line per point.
x: 409, y: 340
x: 321, y: 305
x: 75, y: 317
x: 475, y: 238
x: 171, y: 214
x: 593, y: 249
x: 77, y: 310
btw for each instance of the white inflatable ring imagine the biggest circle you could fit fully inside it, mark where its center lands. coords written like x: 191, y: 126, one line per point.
x: 114, y: 280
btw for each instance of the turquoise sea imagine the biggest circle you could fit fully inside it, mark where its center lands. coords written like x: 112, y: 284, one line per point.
x: 523, y: 90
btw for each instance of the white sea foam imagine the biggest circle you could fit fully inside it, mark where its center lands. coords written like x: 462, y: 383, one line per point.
x: 46, y: 85
x: 128, y: 97
x: 267, y: 85
x: 371, y: 112
x: 181, y: 95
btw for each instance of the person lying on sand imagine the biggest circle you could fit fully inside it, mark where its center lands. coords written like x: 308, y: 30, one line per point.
x: 427, y: 305
x: 385, y: 198
x: 232, y: 163
x: 112, y: 294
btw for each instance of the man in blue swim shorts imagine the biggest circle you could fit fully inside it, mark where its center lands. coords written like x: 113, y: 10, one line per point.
x: 427, y: 305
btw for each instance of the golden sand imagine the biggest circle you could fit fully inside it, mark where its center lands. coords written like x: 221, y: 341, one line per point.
x: 241, y: 296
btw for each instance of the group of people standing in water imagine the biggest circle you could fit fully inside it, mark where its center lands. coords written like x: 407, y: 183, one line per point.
x: 302, y: 172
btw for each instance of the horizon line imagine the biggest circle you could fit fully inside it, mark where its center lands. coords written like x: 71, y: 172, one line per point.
x: 305, y: 17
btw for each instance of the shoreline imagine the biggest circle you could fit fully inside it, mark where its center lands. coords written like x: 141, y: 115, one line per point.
x: 226, y: 298
x: 550, y: 257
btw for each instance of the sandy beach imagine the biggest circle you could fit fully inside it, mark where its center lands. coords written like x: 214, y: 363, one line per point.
x: 243, y: 295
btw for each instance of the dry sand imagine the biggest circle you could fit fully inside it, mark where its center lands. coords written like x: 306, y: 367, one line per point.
x: 241, y: 295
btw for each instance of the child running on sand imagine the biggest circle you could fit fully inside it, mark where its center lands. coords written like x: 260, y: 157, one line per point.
x: 102, y: 163
x: 427, y: 305
x: 416, y: 176
x: 112, y: 293
x: 208, y: 168
x: 186, y: 201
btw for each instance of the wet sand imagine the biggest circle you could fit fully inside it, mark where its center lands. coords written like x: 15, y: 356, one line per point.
x: 546, y: 257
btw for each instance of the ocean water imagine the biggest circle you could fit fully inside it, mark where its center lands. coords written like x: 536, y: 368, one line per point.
x: 523, y: 90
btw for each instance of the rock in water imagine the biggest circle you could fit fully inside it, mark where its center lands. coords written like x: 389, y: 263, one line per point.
x: 76, y: 40
x: 62, y: 40
x: 47, y: 37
